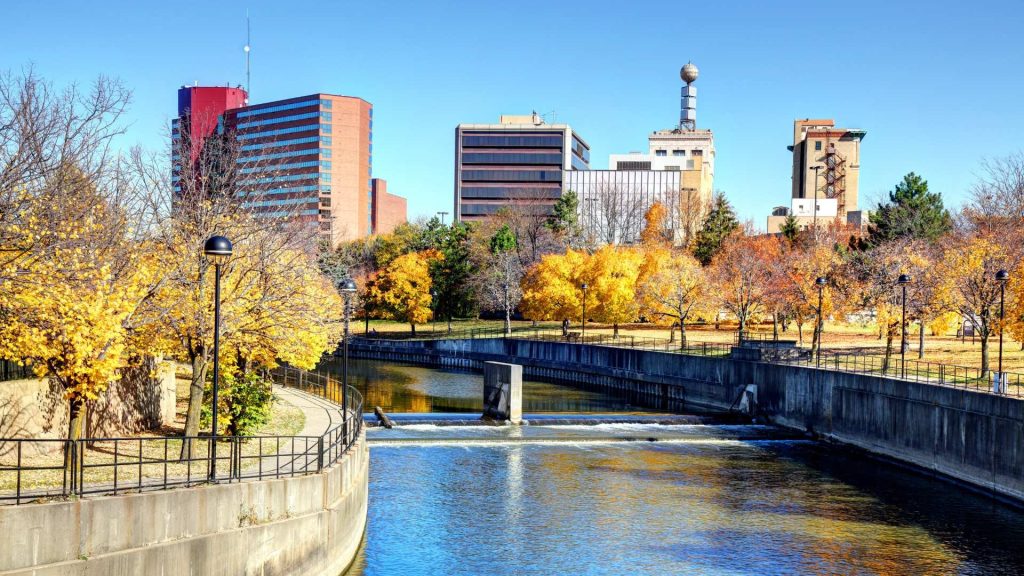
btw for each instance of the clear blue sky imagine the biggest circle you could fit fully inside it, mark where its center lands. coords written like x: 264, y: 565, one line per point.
x: 937, y: 85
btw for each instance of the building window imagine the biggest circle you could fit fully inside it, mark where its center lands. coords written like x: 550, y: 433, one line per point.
x: 325, y: 128
x: 696, y: 153
x: 325, y: 103
x: 679, y: 152
x: 660, y: 153
x: 817, y: 144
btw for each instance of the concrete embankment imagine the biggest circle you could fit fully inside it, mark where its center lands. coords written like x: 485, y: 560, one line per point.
x: 972, y: 437
x: 309, y: 525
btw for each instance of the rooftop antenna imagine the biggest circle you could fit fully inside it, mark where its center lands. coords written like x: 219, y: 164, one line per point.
x: 248, y: 74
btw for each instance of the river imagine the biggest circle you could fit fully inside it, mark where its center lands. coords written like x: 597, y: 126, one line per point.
x: 651, y: 499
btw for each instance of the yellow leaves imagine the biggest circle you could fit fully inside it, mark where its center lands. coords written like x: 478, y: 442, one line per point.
x: 612, y: 272
x: 552, y: 287
x: 402, y: 288
x: 671, y: 285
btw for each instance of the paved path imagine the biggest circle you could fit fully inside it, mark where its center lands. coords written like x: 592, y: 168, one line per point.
x: 269, y: 457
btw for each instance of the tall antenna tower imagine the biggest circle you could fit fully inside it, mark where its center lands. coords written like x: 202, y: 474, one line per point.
x: 688, y: 98
x: 248, y: 69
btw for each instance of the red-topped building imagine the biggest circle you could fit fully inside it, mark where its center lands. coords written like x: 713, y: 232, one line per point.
x: 308, y: 158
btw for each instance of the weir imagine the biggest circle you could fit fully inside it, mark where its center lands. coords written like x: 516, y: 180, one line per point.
x: 972, y: 437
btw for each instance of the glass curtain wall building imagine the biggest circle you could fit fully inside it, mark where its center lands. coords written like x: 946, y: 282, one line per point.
x: 308, y: 158
x: 612, y: 203
x: 517, y: 162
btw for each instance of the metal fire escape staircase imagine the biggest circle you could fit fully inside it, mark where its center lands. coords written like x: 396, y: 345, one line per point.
x: 835, y: 178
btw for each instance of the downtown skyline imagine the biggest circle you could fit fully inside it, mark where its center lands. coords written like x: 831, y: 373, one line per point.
x: 927, y: 86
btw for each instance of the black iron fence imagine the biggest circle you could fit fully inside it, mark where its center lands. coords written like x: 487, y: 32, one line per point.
x: 36, y: 470
x: 1011, y: 383
x: 13, y: 371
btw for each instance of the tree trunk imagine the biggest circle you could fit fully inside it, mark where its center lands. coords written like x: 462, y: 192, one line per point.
x: 412, y: 326
x: 682, y: 335
x: 800, y: 333
x: 508, y: 311
x: 775, y: 326
x: 76, y: 417
x: 615, y: 330
x: 195, y: 404
x: 672, y: 333
x: 888, y: 351
x: 984, y: 351
x: 920, y: 342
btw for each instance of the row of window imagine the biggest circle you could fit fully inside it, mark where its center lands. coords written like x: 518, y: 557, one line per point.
x: 510, y: 158
x: 284, y: 178
x: 513, y: 175
x: 312, y: 212
x: 280, y: 131
x: 324, y: 140
x: 282, y: 107
x: 293, y: 118
x: 282, y: 202
x: 548, y: 141
x: 324, y: 152
x: 679, y: 152
x: 509, y: 192
x: 325, y: 164
x: 291, y: 190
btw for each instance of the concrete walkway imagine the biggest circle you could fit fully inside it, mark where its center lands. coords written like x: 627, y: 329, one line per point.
x: 267, y: 457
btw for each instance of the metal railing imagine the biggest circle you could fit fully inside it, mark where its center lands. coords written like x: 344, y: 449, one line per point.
x: 13, y: 371
x: 911, y: 370
x: 35, y: 470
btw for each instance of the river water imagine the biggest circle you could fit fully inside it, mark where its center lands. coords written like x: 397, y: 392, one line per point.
x: 654, y: 499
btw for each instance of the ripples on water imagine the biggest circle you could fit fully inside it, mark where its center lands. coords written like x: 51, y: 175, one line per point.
x: 606, y: 500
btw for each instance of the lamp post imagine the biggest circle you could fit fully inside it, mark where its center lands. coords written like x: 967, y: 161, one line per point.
x: 442, y: 215
x: 815, y: 200
x: 1002, y: 277
x: 584, y: 336
x: 217, y: 249
x: 433, y: 317
x: 347, y: 287
x: 820, y: 282
x: 903, y: 280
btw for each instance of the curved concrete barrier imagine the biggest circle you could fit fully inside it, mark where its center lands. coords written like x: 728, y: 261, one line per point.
x: 303, y: 525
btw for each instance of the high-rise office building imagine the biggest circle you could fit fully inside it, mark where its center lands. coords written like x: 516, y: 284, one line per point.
x: 388, y: 210
x: 518, y: 161
x: 826, y: 176
x: 308, y: 158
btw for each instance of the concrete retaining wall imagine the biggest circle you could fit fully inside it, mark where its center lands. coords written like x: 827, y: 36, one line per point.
x: 973, y: 437
x: 142, y: 399
x: 309, y: 525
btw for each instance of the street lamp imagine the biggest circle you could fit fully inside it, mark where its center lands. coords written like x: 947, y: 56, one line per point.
x: 217, y: 249
x: 347, y: 287
x: 815, y: 200
x: 1002, y: 277
x: 820, y: 282
x: 903, y: 280
x: 584, y: 336
x: 433, y: 317
x: 442, y: 215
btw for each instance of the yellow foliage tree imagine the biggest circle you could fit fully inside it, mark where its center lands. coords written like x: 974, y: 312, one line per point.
x: 671, y: 286
x: 401, y: 290
x: 70, y: 314
x: 551, y: 287
x: 613, y: 272
x: 654, y: 234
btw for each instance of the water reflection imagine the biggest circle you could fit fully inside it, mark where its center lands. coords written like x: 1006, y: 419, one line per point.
x: 400, y: 388
x: 693, y: 503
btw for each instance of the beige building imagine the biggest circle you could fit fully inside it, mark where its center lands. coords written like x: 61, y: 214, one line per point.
x: 826, y: 174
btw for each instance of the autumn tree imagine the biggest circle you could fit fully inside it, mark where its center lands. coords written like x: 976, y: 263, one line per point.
x: 551, y: 288
x: 499, y: 272
x: 613, y: 272
x: 720, y: 224
x: 401, y: 290
x: 654, y: 232
x: 970, y: 264
x: 671, y: 285
x: 742, y: 276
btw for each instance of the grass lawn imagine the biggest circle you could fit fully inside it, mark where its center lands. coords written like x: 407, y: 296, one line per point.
x: 151, y: 449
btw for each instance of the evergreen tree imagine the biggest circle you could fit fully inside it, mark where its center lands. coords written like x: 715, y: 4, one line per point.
x: 790, y: 229
x: 451, y: 275
x: 720, y: 223
x: 565, y: 217
x: 911, y: 212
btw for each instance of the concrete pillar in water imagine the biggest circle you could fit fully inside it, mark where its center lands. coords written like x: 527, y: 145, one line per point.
x: 503, y: 392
